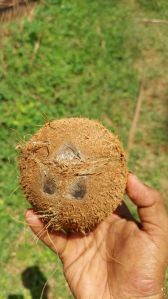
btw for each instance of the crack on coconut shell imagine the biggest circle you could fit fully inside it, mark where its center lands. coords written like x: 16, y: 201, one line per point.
x: 79, y: 189
x: 68, y: 153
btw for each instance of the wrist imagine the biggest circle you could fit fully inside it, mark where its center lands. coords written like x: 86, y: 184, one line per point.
x: 159, y: 296
x: 162, y: 295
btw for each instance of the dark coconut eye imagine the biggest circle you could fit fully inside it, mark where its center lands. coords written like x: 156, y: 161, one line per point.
x: 79, y: 189
x: 49, y: 186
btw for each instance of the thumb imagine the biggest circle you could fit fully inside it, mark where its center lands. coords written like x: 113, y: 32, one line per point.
x: 151, y: 209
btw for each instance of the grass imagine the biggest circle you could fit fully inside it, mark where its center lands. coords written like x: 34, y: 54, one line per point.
x: 77, y: 58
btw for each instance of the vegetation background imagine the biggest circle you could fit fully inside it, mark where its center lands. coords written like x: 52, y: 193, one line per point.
x: 96, y: 59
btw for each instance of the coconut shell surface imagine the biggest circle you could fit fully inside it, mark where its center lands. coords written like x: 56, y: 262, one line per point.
x: 74, y: 173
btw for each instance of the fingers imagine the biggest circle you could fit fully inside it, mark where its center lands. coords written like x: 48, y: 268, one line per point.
x: 55, y: 241
x: 150, y: 204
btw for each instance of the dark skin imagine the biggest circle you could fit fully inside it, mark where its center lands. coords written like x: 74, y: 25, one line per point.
x: 120, y: 259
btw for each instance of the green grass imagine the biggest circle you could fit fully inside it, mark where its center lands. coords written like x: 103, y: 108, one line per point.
x: 77, y: 58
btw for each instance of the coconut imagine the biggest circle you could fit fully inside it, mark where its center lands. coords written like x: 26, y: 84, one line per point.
x: 74, y: 173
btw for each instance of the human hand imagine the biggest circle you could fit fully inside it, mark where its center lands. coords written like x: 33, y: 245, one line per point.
x: 120, y: 259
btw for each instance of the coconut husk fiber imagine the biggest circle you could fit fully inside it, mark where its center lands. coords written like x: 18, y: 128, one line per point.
x: 74, y: 173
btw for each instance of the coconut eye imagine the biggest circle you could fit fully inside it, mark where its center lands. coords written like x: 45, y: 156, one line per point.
x: 49, y: 186
x: 79, y: 190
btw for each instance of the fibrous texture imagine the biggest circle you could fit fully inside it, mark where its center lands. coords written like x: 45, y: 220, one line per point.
x: 74, y: 173
x: 11, y: 9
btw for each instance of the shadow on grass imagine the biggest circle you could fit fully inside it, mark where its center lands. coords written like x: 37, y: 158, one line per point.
x: 34, y: 280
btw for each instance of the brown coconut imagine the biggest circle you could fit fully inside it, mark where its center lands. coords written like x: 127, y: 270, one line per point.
x: 74, y: 173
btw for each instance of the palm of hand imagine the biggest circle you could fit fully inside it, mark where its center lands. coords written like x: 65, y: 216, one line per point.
x: 110, y: 258
x: 118, y: 259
